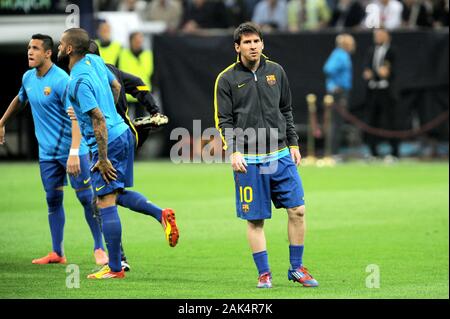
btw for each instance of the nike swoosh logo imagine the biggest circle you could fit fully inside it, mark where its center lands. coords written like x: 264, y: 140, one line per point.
x: 85, y: 181
x: 99, y: 188
x: 241, y: 85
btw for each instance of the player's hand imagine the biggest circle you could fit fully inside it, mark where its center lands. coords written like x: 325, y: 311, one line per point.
x: 295, y: 155
x: 106, y: 169
x: 238, y: 162
x: 2, y: 134
x: 73, y: 165
x: 71, y: 113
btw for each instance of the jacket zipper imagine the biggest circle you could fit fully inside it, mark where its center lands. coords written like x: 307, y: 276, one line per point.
x: 260, y: 108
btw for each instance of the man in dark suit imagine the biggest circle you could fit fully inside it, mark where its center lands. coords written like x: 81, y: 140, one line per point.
x: 347, y: 14
x: 380, y: 103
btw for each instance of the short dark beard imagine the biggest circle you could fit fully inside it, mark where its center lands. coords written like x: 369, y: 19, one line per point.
x: 251, y: 63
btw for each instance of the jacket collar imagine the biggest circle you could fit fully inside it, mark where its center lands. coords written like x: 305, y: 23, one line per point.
x: 262, y: 63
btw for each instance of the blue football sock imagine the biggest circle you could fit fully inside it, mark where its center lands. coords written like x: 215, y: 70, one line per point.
x: 56, y: 219
x: 138, y: 203
x: 296, y: 256
x: 112, y: 230
x: 86, y: 198
x: 261, y: 261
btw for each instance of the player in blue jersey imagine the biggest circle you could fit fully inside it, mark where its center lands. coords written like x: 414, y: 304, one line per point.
x: 61, y: 148
x: 127, y: 198
x: 108, y: 137
x: 130, y: 199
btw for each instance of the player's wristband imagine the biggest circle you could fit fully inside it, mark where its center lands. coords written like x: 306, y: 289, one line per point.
x: 74, y: 152
x: 295, y: 146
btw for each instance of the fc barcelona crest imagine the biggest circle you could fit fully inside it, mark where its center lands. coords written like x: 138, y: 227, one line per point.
x: 47, y: 91
x: 271, y: 79
x: 245, y: 208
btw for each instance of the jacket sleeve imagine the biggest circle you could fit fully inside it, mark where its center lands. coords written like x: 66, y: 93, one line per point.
x: 389, y: 60
x: 333, y: 64
x: 138, y: 89
x: 223, y: 113
x: 286, y: 110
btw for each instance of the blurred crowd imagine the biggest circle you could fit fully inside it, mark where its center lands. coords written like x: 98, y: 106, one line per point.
x: 286, y: 15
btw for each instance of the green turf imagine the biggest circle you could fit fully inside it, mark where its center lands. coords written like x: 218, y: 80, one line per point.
x: 395, y: 217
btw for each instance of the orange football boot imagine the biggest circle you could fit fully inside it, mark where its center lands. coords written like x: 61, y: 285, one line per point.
x: 170, y: 226
x: 51, y: 258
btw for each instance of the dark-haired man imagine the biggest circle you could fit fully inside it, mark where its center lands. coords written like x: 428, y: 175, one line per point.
x: 109, y: 138
x: 60, y: 146
x: 379, y: 74
x: 253, y: 110
x: 126, y: 198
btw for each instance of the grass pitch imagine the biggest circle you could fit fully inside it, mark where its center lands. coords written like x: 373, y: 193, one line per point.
x: 394, y: 217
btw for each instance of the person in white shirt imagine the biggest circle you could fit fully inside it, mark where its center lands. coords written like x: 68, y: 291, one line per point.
x: 384, y: 14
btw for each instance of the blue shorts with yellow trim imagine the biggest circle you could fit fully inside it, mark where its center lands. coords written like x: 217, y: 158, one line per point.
x: 121, y: 155
x: 54, y: 175
x: 275, y: 181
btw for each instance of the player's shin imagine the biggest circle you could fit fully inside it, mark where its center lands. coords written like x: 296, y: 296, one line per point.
x: 56, y: 219
x: 112, y: 230
x: 86, y: 196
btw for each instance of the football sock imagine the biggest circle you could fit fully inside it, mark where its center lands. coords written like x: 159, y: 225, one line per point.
x: 138, y: 203
x: 296, y: 255
x: 122, y: 253
x: 86, y: 197
x: 261, y: 261
x: 112, y: 230
x: 56, y: 219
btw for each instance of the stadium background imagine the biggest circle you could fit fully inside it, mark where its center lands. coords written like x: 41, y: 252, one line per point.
x: 185, y: 69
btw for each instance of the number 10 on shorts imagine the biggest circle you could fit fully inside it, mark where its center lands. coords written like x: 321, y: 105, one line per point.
x: 246, y: 194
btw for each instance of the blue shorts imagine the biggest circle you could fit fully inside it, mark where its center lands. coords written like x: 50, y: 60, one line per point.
x: 54, y: 175
x: 277, y: 181
x: 121, y: 155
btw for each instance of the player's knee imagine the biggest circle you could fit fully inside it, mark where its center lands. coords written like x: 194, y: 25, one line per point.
x: 255, y: 224
x: 297, y: 212
x: 85, y: 196
x: 54, y: 198
x: 106, y: 200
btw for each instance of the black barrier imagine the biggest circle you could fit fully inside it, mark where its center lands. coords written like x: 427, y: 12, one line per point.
x: 187, y: 66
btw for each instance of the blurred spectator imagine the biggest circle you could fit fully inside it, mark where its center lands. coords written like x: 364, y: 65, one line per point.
x: 415, y: 14
x: 168, y: 11
x: 384, y: 14
x: 440, y: 13
x: 380, y: 100
x: 308, y: 15
x: 137, y: 6
x: 249, y: 8
x: 338, y: 70
x: 109, y: 50
x: 348, y: 14
x: 204, y: 14
x: 139, y: 62
x: 271, y: 15
x: 332, y: 4
x: 107, y: 5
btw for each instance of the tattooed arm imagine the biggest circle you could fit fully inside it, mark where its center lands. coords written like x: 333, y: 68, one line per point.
x: 105, y: 167
x: 100, y: 132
